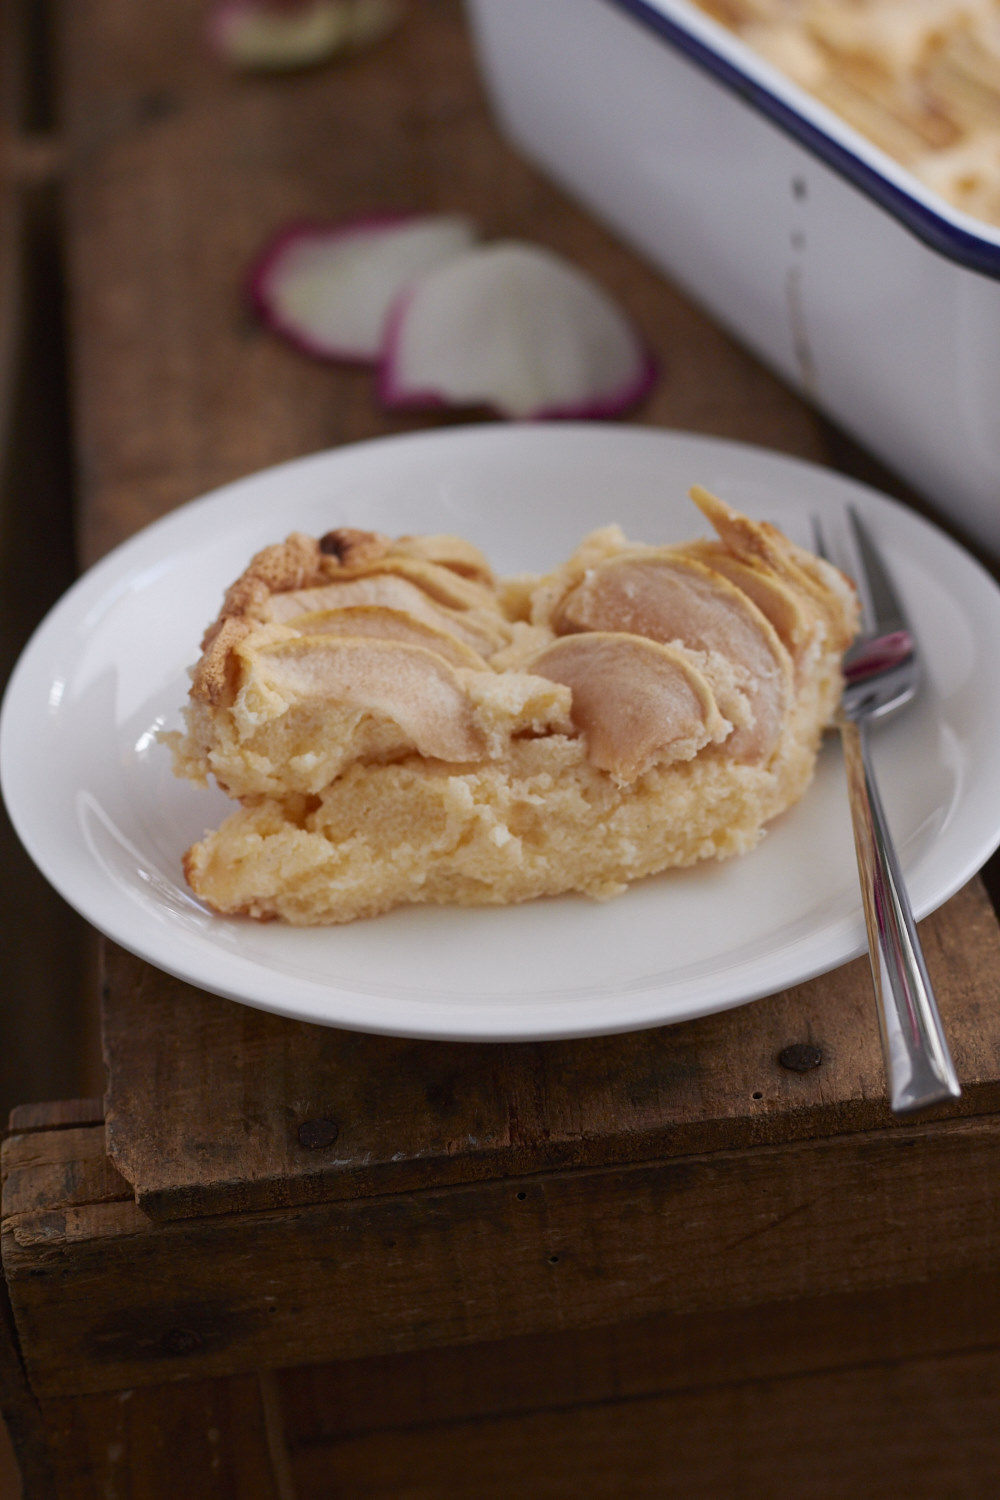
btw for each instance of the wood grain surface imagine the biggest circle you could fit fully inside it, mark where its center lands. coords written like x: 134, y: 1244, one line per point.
x: 811, y: 1399
x: 180, y: 172
x: 106, y: 1300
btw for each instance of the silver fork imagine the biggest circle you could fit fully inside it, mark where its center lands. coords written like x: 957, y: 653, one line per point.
x: 881, y: 673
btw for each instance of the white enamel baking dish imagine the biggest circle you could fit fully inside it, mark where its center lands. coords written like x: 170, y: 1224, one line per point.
x: 859, y: 286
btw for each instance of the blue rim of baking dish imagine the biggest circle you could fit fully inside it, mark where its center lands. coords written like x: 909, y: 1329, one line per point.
x: 941, y: 235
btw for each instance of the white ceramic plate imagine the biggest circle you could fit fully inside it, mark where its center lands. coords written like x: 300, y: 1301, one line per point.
x: 92, y: 795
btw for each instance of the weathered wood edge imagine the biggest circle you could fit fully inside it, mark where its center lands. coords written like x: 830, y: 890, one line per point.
x: 19, y: 1407
x: 658, y: 1355
x: 106, y: 1299
x: 51, y: 1170
x: 56, y: 1114
x: 557, y: 1127
x: 222, y: 1197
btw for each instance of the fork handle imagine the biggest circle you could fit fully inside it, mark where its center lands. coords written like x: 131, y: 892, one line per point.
x: 917, y: 1061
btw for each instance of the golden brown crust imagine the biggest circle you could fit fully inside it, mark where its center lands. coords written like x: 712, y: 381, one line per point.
x: 212, y: 682
x: 291, y: 564
x: 449, y: 568
x: 352, y: 548
x: 299, y: 562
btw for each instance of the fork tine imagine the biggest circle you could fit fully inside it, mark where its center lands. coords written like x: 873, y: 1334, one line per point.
x: 878, y: 594
x: 818, y: 541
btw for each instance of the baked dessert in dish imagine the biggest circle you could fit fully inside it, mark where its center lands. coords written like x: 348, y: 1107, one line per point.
x: 921, y: 81
x: 397, y: 725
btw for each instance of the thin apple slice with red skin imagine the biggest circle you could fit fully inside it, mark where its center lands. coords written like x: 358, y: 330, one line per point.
x: 517, y: 329
x: 329, y: 288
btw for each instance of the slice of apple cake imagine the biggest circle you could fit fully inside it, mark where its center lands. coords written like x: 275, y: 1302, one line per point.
x: 399, y: 726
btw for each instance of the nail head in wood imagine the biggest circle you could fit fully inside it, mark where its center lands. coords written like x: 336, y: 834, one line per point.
x: 314, y: 1135
x: 800, y: 1057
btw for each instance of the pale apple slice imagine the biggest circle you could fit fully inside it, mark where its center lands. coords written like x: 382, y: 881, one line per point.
x: 518, y: 329
x: 794, y: 623
x: 442, y: 584
x: 638, y: 703
x: 389, y: 625
x: 671, y: 598
x: 413, y: 688
x: 328, y: 288
x: 484, y: 631
x: 760, y: 543
x: 453, y: 552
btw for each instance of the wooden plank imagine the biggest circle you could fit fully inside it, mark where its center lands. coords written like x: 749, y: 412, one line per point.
x: 43, y: 1036
x: 922, y: 1429
x: 377, y: 1427
x: 20, y: 1413
x: 649, y: 1358
x: 41, y: 1168
x: 55, y: 1114
x: 11, y: 297
x: 106, y: 1299
x: 46, y: 1170
x: 443, y: 1419
x: 22, y: 1441
x: 200, y: 1437
x: 183, y: 1083
x: 12, y: 227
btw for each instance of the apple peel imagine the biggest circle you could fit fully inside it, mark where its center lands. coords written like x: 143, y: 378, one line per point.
x: 282, y: 35
x: 515, y: 328
x: 329, y: 288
